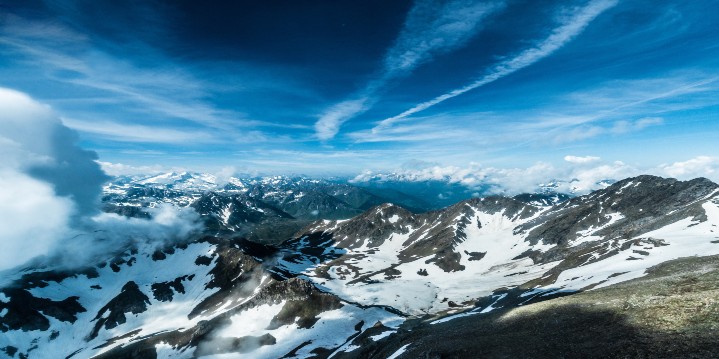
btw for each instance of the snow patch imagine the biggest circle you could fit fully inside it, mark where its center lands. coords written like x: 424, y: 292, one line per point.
x: 399, y: 352
x: 382, y: 335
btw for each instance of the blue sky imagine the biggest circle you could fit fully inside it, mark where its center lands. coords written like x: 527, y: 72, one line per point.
x: 339, y: 87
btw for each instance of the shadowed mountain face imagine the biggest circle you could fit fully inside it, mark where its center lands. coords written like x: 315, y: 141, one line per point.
x: 385, y: 281
x: 671, y: 312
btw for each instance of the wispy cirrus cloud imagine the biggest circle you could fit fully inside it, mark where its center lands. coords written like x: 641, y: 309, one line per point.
x: 153, y: 94
x: 329, y: 123
x: 571, y: 24
x: 139, y: 133
x: 427, y: 130
x: 611, y: 108
x: 621, y: 127
x: 432, y: 28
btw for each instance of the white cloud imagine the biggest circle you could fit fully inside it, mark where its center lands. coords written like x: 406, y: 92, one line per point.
x: 121, y: 169
x: 578, y: 133
x: 573, y: 177
x: 140, y: 133
x: 621, y: 127
x: 582, y: 132
x: 424, y: 131
x: 32, y: 218
x: 577, y: 159
x: 432, y: 28
x: 579, y: 175
x: 49, y: 202
x: 570, y: 26
x: 224, y: 175
x: 169, y: 91
x: 37, y: 206
x: 611, y: 108
x: 648, y: 121
x: 329, y: 123
x: 701, y: 166
x: 103, y: 235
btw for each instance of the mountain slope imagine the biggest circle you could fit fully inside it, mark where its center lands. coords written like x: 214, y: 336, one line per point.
x: 191, y: 300
x: 498, y: 247
x: 672, y: 312
x: 385, y: 281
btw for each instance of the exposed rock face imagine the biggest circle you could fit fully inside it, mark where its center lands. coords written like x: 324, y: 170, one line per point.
x: 542, y: 199
x: 25, y: 312
x: 164, y: 291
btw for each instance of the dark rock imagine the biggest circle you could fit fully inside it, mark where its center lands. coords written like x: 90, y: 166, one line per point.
x: 163, y: 291
x: 203, y: 260
x: 26, y: 312
x: 130, y: 300
x: 158, y: 255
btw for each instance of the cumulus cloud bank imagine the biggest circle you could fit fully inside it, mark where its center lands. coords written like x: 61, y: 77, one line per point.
x: 31, y: 218
x: 50, y: 189
x: 704, y: 166
x: 579, y: 175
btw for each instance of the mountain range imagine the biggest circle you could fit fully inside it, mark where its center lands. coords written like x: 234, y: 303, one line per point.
x: 273, y: 208
x: 302, y: 268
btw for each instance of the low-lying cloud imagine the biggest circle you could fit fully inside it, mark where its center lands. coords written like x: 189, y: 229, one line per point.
x: 704, y: 166
x: 32, y: 217
x: 579, y: 175
x: 50, y: 194
x: 107, y: 233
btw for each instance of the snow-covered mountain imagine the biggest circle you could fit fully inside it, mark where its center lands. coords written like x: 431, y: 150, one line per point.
x: 200, y: 298
x: 299, y: 195
x: 350, y: 287
x: 497, y: 247
x: 262, y: 208
x: 309, y: 198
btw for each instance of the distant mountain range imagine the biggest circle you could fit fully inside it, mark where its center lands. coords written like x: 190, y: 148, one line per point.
x: 364, y: 277
x: 251, y: 206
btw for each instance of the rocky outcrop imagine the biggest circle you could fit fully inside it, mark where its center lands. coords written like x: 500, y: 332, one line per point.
x: 130, y: 300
